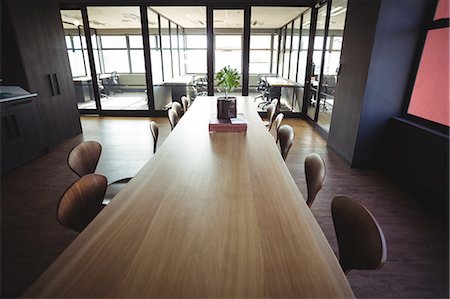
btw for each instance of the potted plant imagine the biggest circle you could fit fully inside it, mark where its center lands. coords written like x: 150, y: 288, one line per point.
x: 228, y: 79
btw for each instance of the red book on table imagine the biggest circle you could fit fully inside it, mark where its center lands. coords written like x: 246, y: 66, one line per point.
x: 237, y: 124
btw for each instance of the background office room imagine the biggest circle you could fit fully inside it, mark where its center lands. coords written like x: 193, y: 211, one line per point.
x: 114, y: 183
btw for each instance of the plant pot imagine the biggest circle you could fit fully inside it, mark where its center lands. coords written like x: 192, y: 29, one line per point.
x: 226, y: 107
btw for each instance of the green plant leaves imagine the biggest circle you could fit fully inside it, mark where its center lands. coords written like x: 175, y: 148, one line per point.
x: 228, y: 79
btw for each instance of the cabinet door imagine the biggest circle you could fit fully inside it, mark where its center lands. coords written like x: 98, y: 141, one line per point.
x: 10, y: 153
x: 40, y: 39
x: 27, y: 124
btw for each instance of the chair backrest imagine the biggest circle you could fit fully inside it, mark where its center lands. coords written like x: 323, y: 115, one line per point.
x: 177, y: 108
x: 155, y: 132
x: 271, y: 114
x: 360, y: 238
x: 185, y: 102
x: 173, y: 118
x: 315, y: 171
x: 262, y: 85
x: 82, y: 201
x: 278, y: 121
x: 275, y: 102
x: 83, y: 158
x: 286, y: 137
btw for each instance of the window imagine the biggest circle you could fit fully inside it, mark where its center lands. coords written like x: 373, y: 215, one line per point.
x: 260, y: 52
x: 195, y: 54
x: 430, y: 95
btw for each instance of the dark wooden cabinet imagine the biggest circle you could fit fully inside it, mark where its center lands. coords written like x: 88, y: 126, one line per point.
x: 34, y: 57
x: 38, y: 33
x: 22, y: 137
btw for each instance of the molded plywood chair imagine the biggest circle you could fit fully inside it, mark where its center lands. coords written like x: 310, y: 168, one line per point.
x: 360, y: 238
x: 277, y: 122
x: 83, y: 158
x: 275, y: 102
x: 270, y: 115
x: 155, y: 132
x: 186, y: 103
x: 315, y: 176
x: 286, y: 137
x: 81, y: 202
x: 177, y: 108
x: 173, y: 118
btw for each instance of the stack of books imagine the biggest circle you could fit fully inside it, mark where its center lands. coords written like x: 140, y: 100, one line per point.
x: 237, y: 124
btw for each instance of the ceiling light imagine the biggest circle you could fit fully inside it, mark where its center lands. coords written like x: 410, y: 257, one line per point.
x: 76, y: 23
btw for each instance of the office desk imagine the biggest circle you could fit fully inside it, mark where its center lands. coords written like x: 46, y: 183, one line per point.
x: 180, y: 86
x: 277, y: 83
x: 210, y: 215
x: 84, y: 88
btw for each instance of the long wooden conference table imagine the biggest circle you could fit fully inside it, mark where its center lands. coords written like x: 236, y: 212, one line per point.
x: 210, y: 215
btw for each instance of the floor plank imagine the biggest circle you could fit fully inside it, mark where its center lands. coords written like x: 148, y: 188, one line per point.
x: 417, y: 265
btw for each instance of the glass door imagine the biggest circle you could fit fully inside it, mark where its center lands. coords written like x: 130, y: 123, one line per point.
x: 317, y: 62
x: 77, y: 52
x: 331, y: 63
x: 326, y: 61
x: 228, y: 43
x: 119, y: 57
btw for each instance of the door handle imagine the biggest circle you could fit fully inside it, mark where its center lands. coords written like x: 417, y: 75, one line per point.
x: 50, y: 81
x: 56, y: 84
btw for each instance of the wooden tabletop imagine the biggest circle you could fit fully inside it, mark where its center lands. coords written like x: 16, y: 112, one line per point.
x: 279, y: 82
x: 210, y: 215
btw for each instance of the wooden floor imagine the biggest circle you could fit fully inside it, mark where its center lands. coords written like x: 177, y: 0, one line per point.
x: 417, y: 265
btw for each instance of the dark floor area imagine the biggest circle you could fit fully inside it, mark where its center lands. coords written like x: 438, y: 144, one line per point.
x: 31, y: 239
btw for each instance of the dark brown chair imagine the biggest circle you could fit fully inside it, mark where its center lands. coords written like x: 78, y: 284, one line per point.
x: 81, y: 202
x: 177, y: 108
x: 270, y: 115
x: 315, y: 171
x: 360, y: 238
x: 155, y: 132
x: 173, y: 118
x: 185, y: 102
x: 277, y: 123
x: 286, y: 137
x: 83, y: 158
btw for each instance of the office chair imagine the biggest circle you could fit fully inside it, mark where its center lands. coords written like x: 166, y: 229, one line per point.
x: 81, y: 202
x: 101, y: 87
x: 115, y: 85
x: 277, y: 123
x: 261, y: 88
x: 173, y: 118
x: 177, y: 108
x: 329, y: 89
x: 154, y: 129
x: 315, y: 171
x: 83, y: 159
x: 360, y: 239
x: 286, y: 137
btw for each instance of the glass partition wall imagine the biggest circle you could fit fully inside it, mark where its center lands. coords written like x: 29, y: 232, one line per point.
x: 282, y: 62
x: 326, y: 61
x: 228, y: 42
x: 178, y: 53
x: 77, y: 52
x: 275, y: 43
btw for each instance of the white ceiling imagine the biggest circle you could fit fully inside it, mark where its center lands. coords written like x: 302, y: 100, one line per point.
x: 128, y: 17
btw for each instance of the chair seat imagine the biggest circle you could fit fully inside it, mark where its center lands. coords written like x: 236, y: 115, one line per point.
x: 113, y: 189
